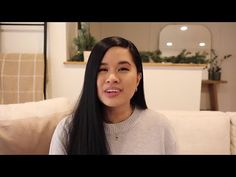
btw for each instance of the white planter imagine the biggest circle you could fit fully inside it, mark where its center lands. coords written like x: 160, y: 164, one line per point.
x: 86, y: 55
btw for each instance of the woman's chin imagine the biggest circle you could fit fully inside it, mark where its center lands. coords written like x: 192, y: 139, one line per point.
x: 112, y: 104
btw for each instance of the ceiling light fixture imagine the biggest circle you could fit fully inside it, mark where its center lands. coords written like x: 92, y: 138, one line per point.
x: 183, y: 28
x: 169, y: 43
x: 202, y: 44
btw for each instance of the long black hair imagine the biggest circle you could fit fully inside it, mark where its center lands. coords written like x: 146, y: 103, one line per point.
x: 86, y: 130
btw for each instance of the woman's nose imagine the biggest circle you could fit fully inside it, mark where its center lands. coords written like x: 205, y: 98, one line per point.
x: 112, y: 78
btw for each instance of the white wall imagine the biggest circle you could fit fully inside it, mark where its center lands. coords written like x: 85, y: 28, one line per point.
x: 172, y: 88
x: 28, y: 39
x: 64, y: 80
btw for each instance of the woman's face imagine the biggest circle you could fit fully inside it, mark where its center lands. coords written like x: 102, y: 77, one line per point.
x: 117, y: 78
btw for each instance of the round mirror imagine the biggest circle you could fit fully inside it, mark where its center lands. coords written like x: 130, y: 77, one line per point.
x: 193, y: 38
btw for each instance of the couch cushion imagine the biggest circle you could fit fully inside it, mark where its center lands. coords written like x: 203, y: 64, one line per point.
x: 200, y: 132
x: 34, y: 109
x: 27, y: 128
x: 232, y: 116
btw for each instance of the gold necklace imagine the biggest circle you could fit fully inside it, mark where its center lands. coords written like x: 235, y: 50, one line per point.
x: 116, y: 135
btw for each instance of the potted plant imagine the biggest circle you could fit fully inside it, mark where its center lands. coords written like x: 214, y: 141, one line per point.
x: 215, y: 65
x: 84, y: 42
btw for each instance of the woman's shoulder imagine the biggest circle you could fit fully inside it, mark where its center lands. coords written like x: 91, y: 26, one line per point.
x: 63, y: 124
x: 155, y: 117
x: 152, y: 113
x: 59, y: 138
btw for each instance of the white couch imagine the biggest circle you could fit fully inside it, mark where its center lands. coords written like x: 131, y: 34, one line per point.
x: 203, y: 132
x: 27, y: 128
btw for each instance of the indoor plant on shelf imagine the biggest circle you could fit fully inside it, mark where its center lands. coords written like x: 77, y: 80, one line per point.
x: 84, y: 42
x: 215, y: 65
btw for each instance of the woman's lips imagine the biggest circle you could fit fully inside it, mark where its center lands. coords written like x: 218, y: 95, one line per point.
x: 112, y: 92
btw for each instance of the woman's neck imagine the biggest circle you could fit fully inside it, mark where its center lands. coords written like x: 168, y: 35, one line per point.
x: 118, y: 114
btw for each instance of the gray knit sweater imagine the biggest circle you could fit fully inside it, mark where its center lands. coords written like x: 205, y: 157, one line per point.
x: 144, y: 132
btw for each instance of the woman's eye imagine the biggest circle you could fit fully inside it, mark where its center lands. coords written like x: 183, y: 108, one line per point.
x: 123, y: 69
x: 103, y: 69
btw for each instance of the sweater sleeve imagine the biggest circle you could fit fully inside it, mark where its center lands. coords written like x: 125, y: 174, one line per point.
x: 58, y: 141
x: 170, y: 140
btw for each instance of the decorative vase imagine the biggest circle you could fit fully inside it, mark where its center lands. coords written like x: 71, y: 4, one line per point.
x: 86, y: 55
x: 212, y: 75
x: 217, y: 76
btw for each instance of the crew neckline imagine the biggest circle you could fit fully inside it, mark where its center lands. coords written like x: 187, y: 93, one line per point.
x: 116, y: 128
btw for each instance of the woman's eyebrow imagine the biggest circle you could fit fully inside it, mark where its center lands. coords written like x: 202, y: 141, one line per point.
x: 103, y: 64
x: 124, y: 62
x: 120, y: 63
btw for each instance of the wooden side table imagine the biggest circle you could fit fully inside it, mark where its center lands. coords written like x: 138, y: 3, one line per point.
x: 212, y: 88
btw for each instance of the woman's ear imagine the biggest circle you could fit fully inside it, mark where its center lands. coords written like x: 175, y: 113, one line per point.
x: 139, y: 78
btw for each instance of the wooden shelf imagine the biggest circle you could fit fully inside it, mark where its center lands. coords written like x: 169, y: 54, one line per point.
x: 147, y: 64
x: 75, y: 63
x: 212, y: 88
x: 213, y: 81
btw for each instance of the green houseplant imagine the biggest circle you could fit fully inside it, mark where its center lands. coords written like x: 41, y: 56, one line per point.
x: 215, y: 65
x: 84, y: 42
x: 183, y: 57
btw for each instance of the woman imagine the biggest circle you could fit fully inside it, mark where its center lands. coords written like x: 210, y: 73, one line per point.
x: 112, y: 116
